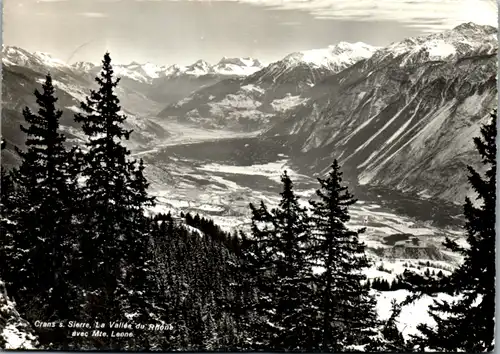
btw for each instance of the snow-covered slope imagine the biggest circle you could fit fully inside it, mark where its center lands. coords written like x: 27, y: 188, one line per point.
x: 335, y: 57
x: 144, y: 73
x: 406, y: 117
x: 15, y: 332
x: 12, y: 55
x: 249, y: 103
x: 412, y: 314
x: 461, y: 41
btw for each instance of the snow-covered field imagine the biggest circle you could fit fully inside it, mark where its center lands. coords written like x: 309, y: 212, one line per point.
x: 287, y: 103
x: 186, y: 133
x: 271, y: 170
x: 411, y: 315
x: 215, y: 189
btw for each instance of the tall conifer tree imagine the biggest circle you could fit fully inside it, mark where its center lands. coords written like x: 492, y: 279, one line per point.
x: 254, y: 286
x: 6, y: 204
x: 275, y: 264
x: 345, y: 308
x: 44, y: 233
x: 467, y: 324
x: 293, y: 315
x: 116, y: 262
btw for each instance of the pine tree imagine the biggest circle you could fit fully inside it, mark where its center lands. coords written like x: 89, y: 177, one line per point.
x: 467, y: 323
x: 6, y: 204
x: 345, y: 308
x: 275, y: 264
x: 41, y: 261
x: 116, y: 267
x: 292, y: 315
x: 254, y: 286
x: 6, y: 187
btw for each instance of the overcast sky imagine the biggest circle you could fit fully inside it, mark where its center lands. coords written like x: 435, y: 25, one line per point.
x: 180, y: 32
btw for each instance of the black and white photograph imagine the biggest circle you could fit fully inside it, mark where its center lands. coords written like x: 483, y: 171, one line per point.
x: 248, y: 175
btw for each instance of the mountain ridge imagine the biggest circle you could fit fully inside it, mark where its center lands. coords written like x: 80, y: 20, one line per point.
x: 385, y: 118
x: 250, y: 102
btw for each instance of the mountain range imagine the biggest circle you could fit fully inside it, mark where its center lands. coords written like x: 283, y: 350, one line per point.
x: 401, y: 116
x: 405, y: 117
x: 255, y: 101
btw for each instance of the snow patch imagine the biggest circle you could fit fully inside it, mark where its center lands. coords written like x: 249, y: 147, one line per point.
x: 439, y: 49
x: 334, y: 56
x: 411, y: 315
x: 287, y: 103
x: 272, y: 170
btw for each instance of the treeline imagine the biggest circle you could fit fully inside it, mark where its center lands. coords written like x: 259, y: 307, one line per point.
x: 78, y: 245
x: 207, y: 228
x: 193, y: 280
x: 402, y: 282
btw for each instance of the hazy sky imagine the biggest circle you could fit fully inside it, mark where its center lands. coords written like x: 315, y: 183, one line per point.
x: 182, y: 31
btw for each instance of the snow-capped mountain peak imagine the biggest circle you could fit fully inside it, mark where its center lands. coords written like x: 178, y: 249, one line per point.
x: 240, y: 61
x: 464, y: 40
x: 173, y: 70
x: 333, y: 56
x: 153, y: 70
x: 470, y: 27
x: 149, y: 70
x: 201, y: 63
x: 49, y: 60
x: 237, y: 66
x: 199, y: 68
x: 83, y: 66
x: 306, y: 68
x: 225, y: 67
x: 142, y: 72
x: 12, y: 55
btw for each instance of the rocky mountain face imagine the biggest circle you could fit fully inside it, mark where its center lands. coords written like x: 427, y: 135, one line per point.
x: 405, y: 117
x: 23, y: 72
x: 252, y: 102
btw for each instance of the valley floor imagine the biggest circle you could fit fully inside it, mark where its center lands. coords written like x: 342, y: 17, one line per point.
x: 217, y: 174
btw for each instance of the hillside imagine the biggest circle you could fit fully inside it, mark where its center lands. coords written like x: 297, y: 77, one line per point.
x: 404, y: 118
